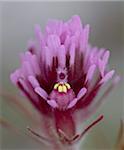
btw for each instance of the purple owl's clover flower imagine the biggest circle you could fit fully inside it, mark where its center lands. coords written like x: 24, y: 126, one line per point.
x: 61, y: 74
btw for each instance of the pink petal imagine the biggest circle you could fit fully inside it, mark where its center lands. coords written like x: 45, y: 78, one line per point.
x: 48, y: 30
x: 53, y: 42
x: 106, y: 57
x: 81, y: 93
x: 101, y: 67
x: 15, y: 76
x: 39, y: 36
x: 35, y: 65
x: 72, y: 103
x: 85, y: 36
x: 62, y: 56
x: 52, y: 103
x: 24, y: 84
x: 107, y: 77
x: 67, y: 42
x: 101, y: 52
x: 32, y: 60
x: 86, y: 56
x: 28, y: 55
x: 90, y: 72
x: 27, y: 69
x: 54, y: 27
x: 28, y: 89
x: 48, y: 56
x: 77, y: 22
x: 41, y: 92
x: 102, y: 63
x: 33, y: 81
x: 93, y: 55
x: 38, y: 32
x: 72, y: 54
x: 30, y: 44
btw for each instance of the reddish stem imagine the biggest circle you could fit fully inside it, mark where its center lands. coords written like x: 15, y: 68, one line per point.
x: 90, y: 126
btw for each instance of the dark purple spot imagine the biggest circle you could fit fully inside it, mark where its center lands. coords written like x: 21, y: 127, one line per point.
x: 61, y: 75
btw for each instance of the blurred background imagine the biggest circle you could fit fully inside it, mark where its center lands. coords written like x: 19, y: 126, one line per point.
x: 17, y: 21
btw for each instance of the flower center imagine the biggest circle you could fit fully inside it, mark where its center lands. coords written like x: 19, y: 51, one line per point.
x: 63, y: 94
x: 62, y: 87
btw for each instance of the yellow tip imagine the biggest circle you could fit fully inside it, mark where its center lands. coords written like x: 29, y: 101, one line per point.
x: 60, y: 89
x: 67, y: 85
x: 56, y: 86
x: 64, y: 88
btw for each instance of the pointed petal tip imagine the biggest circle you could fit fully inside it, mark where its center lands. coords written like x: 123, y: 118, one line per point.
x: 38, y: 32
x: 81, y: 93
x: 76, y: 16
x: 106, y: 57
x: 30, y: 43
x: 77, y: 19
x: 107, y: 77
x: 37, y: 27
x: 101, y: 67
x: 87, y: 29
x: 52, y: 103
x: 14, y: 76
x: 72, y: 103
x: 87, y: 26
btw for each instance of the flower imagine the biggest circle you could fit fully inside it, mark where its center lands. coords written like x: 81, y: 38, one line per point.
x: 61, y: 74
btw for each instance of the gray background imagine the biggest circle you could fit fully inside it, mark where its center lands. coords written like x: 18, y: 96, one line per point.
x: 106, y: 20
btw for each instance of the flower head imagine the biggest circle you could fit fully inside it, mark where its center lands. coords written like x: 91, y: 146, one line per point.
x: 61, y: 73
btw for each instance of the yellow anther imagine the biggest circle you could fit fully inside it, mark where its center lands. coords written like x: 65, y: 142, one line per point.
x: 60, y: 89
x: 56, y: 86
x: 64, y: 88
x: 67, y: 85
